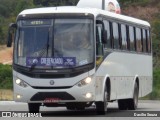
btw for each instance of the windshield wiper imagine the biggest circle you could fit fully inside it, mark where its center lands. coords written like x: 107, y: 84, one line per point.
x: 44, y: 50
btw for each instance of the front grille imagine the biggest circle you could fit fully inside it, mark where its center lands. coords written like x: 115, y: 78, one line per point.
x: 49, y: 75
x: 65, y: 87
x: 41, y: 96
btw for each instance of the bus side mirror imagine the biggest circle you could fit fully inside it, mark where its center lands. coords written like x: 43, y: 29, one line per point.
x: 10, y: 38
x: 104, y: 37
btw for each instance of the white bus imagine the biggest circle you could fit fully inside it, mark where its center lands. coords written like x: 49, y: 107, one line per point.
x: 73, y: 57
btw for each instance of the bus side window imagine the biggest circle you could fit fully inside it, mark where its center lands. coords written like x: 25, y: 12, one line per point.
x: 135, y: 40
x: 148, y: 41
x: 99, y: 45
x: 144, y: 40
x: 128, y: 38
x: 120, y: 36
x: 138, y: 40
x: 107, y: 27
x: 115, y: 35
x: 124, y: 37
x: 131, y: 37
x: 111, y: 34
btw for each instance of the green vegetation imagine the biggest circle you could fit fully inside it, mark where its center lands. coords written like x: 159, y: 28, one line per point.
x: 134, y: 2
x: 155, y: 95
x: 54, y: 2
x: 156, y: 83
x: 9, y: 9
x: 6, y: 77
x: 8, y: 12
x: 156, y: 43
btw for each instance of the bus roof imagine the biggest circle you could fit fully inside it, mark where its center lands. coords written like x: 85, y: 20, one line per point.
x: 74, y: 9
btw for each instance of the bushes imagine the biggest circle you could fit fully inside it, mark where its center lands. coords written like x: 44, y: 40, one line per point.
x: 156, y: 85
x: 6, y: 77
x: 155, y: 95
x: 8, y: 12
x: 134, y: 2
x: 156, y: 43
x: 54, y: 2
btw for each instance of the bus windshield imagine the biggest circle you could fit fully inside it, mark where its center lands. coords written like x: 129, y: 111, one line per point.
x: 55, y: 43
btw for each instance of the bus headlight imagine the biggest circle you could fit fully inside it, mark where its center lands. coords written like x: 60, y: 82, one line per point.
x: 18, y: 96
x: 21, y: 83
x: 18, y: 81
x: 85, y: 81
x: 88, y: 95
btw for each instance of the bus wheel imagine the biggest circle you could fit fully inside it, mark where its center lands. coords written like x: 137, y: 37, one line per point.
x: 33, y: 107
x: 122, y: 104
x: 133, y: 103
x: 101, y: 107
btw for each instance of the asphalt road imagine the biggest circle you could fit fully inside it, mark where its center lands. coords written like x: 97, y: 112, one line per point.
x: 144, y: 108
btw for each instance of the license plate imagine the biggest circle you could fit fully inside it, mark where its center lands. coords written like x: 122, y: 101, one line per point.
x: 51, y: 100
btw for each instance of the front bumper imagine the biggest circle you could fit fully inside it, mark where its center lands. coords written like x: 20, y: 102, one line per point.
x: 73, y: 93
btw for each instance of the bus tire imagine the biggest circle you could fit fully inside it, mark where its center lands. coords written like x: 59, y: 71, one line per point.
x: 133, y: 103
x: 122, y: 104
x: 33, y: 107
x: 101, y: 106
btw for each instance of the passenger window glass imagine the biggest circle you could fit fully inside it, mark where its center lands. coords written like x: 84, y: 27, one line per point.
x: 149, y: 41
x: 144, y: 40
x: 138, y: 40
x: 128, y: 40
x: 115, y: 35
x: 107, y: 27
x: 124, y: 37
x: 131, y: 37
x: 99, y: 45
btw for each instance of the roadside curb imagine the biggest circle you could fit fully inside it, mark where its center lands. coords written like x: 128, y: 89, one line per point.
x: 10, y: 103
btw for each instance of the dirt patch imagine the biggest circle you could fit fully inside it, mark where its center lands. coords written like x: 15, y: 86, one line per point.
x: 2, y: 47
x: 147, y: 13
x: 6, y: 95
x: 6, y: 54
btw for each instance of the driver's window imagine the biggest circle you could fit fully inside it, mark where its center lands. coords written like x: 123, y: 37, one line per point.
x: 99, y: 34
x: 99, y: 45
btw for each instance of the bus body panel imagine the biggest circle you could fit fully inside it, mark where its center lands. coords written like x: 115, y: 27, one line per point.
x: 123, y: 68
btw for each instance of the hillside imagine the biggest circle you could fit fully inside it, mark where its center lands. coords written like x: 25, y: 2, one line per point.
x: 149, y: 11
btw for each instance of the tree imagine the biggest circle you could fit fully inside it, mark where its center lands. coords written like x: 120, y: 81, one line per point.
x: 23, y: 4
x: 8, y: 12
x: 55, y: 2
